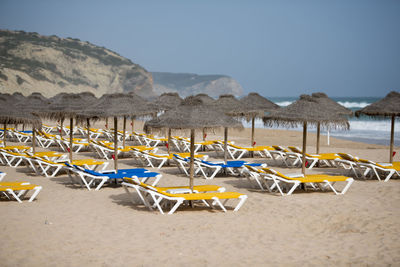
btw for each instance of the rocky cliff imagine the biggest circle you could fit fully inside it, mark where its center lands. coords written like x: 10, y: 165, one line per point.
x: 186, y: 84
x: 30, y: 62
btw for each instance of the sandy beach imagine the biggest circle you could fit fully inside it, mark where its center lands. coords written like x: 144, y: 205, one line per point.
x: 70, y: 226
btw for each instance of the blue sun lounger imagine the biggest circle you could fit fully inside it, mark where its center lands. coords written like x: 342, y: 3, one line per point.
x: 89, y: 177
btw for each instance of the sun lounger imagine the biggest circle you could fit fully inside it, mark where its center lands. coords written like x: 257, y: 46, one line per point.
x: 259, y: 178
x: 48, y: 168
x: 133, y: 182
x: 162, y: 197
x: 382, y: 171
x: 89, y: 178
x: 237, y: 152
x: 314, y: 180
x: 18, y: 190
x: 327, y: 159
x: 349, y: 162
x: 210, y: 169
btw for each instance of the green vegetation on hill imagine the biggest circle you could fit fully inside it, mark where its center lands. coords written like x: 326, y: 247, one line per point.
x: 182, y: 80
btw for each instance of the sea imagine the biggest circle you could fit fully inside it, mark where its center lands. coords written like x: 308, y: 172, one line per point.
x: 364, y: 129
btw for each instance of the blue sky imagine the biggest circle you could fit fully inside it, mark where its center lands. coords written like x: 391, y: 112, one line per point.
x: 276, y: 48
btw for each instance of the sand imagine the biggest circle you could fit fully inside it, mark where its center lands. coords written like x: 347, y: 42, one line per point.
x: 71, y: 226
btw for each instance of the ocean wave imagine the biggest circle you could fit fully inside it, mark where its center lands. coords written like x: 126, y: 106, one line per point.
x: 284, y: 103
x: 349, y: 104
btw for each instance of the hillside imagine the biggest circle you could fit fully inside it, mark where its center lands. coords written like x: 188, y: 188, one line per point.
x: 191, y: 84
x: 30, y: 62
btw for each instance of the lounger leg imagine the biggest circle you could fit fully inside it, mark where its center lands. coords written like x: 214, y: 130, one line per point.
x: 216, y: 200
x: 214, y: 173
x: 11, y: 192
x: 293, y: 188
x: 177, y: 204
x: 389, y: 175
x: 243, y: 199
x: 85, y: 182
x: 349, y: 182
x: 35, y: 193
x: 313, y: 163
x: 103, y: 180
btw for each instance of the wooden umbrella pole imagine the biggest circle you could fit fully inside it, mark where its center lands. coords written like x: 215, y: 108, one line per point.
x: 252, y: 135
x: 23, y: 127
x: 107, y: 123
x: 123, y: 132
x: 61, y: 129
x: 191, y: 158
x: 71, y: 125
x: 88, y: 129
x: 252, y: 131
x: 5, y: 134
x: 115, y: 144
x: 33, y: 139
x: 391, y: 140
x: 204, y: 134
x: 303, y: 165
x: 318, y: 134
x: 225, y: 144
x: 133, y: 126
x: 169, y: 141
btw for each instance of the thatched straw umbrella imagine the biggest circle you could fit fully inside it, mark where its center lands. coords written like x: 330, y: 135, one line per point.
x: 332, y: 106
x: 229, y: 105
x: 306, y: 110
x: 68, y: 106
x: 35, y: 103
x: 117, y: 105
x: 255, y: 107
x: 9, y: 114
x: 191, y: 114
x: 207, y: 100
x: 167, y: 101
x: 389, y: 106
x: 18, y: 96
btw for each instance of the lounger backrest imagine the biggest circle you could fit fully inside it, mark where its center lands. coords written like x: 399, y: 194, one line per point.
x: 274, y: 172
x: 251, y: 168
x: 346, y: 156
x: 295, y: 149
x: 367, y: 161
x: 280, y: 148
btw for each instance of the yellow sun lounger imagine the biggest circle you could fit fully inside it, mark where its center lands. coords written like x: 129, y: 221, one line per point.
x: 327, y: 158
x: 162, y: 198
x: 387, y: 170
x: 18, y: 190
x: 321, y: 180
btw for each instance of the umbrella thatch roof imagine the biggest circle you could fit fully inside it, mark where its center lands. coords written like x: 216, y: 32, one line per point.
x: 38, y: 95
x: 11, y: 115
x: 258, y: 102
x: 18, y: 96
x: 118, y: 105
x: 33, y: 103
x: 253, y: 105
x: 229, y: 104
x: 192, y: 114
x: 206, y: 99
x: 67, y: 105
x: 306, y: 109
x: 168, y: 100
x: 331, y: 104
x: 386, y: 107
